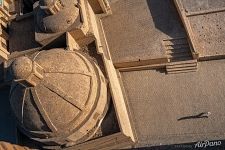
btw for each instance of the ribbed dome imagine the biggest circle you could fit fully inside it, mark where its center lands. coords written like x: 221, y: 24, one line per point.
x: 69, y: 102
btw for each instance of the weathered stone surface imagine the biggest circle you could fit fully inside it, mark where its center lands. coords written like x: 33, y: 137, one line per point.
x: 22, y: 68
x: 136, y: 29
x: 204, y: 22
x: 65, y: 102
x: 67, y: 105
x: 160, y: 100
x: 53, y: 23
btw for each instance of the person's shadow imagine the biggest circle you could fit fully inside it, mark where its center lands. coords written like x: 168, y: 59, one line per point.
x: 198, y: 116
